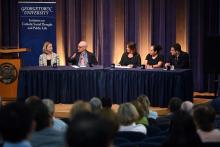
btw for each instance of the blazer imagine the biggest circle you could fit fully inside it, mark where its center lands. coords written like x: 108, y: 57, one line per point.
x: 91, y: 58
x: 54, y: 59
x: 181, y: 62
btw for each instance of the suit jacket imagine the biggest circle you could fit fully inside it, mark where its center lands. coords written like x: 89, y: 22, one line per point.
x: 181, y: 62
x: 54, y: 59
x: 91, y: 58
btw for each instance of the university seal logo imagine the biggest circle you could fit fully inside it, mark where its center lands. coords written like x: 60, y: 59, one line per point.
x: 8, y: 73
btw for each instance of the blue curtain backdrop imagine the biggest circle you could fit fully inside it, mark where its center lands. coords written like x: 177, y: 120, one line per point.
x: 109, y: 18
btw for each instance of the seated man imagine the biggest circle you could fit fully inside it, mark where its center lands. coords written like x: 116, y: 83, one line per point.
x: 16, y: 125
x: 83, y: 57
x: 178, y: 58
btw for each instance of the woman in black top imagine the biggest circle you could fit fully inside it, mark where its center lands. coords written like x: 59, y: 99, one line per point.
x: 154, y: 59
x: 131, y: 57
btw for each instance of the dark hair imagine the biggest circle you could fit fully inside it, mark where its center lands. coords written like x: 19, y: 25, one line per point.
x: 106, y: 102
x: 157, y: 48
x: 132, y: 46
x: 40, y: 114
x: 15, y: 122
x: 177, y: 47
x: 174, y: 104
x: 183, y: 130
x: 87, y: 129
x: 204, y: 116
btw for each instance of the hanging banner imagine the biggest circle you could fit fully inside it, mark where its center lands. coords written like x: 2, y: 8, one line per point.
x: 37, y: 24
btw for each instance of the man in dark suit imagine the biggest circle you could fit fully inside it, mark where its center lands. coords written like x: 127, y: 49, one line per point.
x: 178, y: 58
x: 83, y: 57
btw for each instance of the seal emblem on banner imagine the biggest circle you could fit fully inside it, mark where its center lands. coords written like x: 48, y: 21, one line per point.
x: 8, y: 73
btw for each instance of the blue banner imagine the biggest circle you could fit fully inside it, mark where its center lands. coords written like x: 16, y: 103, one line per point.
x: 37, y: 24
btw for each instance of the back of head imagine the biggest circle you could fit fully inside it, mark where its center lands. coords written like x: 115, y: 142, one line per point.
x: 80, y: 106
x: 50, y: 105
x: 96, y: 104
x: 40, y: 114
x: 87, y: 129
x: 106, y: 102
x: 139, y: 108
x: 204, y: 116
x: 111, y: 117
x: 127, y: 114
x: 183, y: 129
x: 187, y: 106
x: 174, y: 104
x: 15, y: 122
x: 177, y: 47
x: 145, y: 102
x: 31, y: 99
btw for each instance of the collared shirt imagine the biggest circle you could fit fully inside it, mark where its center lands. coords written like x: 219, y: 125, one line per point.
x: 59, y: 125
x: 23, y: 143
x: 83, y: 59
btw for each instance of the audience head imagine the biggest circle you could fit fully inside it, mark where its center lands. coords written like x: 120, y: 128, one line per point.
x: 155, y: 49
x: 40, y: 114
x: 174, y: 104
x: 50, y: 106
x: 96, y: 104
x: 145, y: 102
x: 175, y: 49
x: 204, y: 116
x: 183, y: 129
x: 139, y: 108
x: 106, y: 102
x: 79, y: 106
x: 131, y: 47
x: 47, y: 47
x: 187, y: 106
x: 15, y: 122
x: 82, y: 46
x: 127, y: 114
x: 87, y: 129
x: 30, y: 99
x: 215, y: 103
x: 111, y: 117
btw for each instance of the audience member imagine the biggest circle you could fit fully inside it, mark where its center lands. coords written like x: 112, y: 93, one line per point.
x: 80, y: 106
x: 87, y: 129
x: 182, y: 130
x: 96, y: 104
x: 58, y: 124
x: 204, y: 116
x: 16, y: 124
x: 187, y: 106
x: 44, y: 135
x: 128, y: 115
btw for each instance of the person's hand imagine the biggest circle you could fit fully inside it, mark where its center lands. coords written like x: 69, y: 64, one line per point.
x: 167, y: 64
x: 130, y: 65
x: 73, y: 56
x: 149, y: 67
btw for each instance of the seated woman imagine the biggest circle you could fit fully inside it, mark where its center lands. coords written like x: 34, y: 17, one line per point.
x: 154, y: 59
x: 128, y: 115
x: 48, y: 58
x: 131, y: 57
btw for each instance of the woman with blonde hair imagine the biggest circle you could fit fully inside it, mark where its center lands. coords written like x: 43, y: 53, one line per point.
x: 48, y: 58
x: 128, y: 115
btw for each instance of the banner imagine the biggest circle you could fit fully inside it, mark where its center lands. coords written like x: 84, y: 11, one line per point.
x: 37, y: 24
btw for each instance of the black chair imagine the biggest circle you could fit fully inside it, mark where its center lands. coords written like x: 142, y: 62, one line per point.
x: 131, y: 136
x: 139, y: 144
x: 156, y: 139
x: 163, y: 122
x: 120, y: 140
x: 153, y: 131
